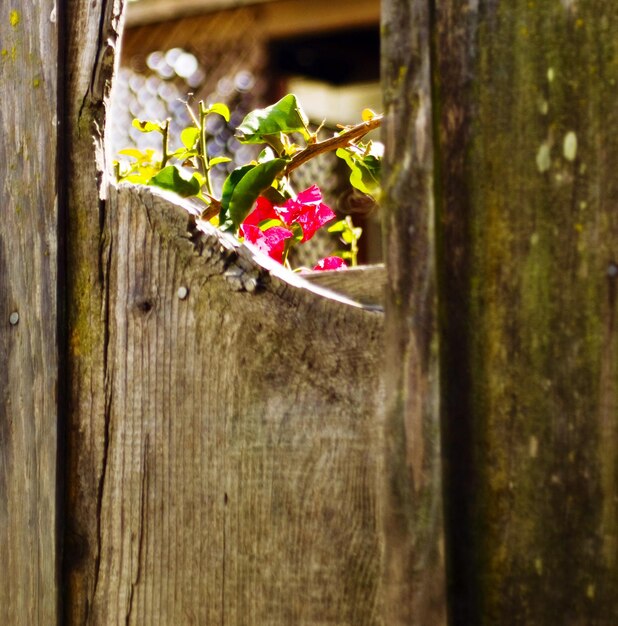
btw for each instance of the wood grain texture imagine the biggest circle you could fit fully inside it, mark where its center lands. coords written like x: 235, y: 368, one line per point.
x: 29, y: 342
x: 91, y: 39
x: 527, y: 196
x: 239, y: 476
x: 414, y: 580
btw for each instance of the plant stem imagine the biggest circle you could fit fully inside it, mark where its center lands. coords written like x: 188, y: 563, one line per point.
x: 328, y: 145
x: 202, y: 148
x: 353, y: 243
x: 166, y: 134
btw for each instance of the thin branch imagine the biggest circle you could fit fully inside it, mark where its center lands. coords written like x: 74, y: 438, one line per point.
x: 338, y: 141
x: 348, y: 136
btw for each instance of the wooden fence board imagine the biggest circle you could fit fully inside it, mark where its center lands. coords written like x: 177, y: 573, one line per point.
x: 28, y: 314
x: 528, y: 129
x: 239, y: 479
x: 91, y: 37
x: 414, y: 579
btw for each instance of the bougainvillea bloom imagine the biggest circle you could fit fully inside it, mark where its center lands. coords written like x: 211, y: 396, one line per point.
x: 264, y: 210
x: 331, y: 263
x: 270, y: 241
x: 307, y: 210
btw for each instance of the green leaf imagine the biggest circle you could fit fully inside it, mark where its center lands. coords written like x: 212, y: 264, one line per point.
x: 219, y: 159
x: 132, y: 152
x: 146, y: 126
x: 347, y: 236
x: 189, y: 137
x: 338, y: 227
x: 285, y: 116
x: 242, y: 188
x: 171, y: 179
x: 226, y: 195
x: 365, y: 171
x: 221, y: 109
x: 267, y: 154
x: 274, y: 196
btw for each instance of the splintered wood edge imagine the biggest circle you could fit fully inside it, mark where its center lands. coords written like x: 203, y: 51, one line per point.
x: 245, y: 268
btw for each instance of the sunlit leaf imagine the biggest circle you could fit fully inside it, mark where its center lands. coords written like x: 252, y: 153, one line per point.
x: 132, y: 152
x: 189, y: 137
x: 218, y: 160
x: 221, y: 109
x: 338, y: 227
x: 171, y: 179
x: 242, y: 188
x: 364, y: 171
x: 226, y: 195
x: 265, y: 155
x: 368, y: 115
x: 285, y: 116
x: 146, y: 126
x: 347, y: 236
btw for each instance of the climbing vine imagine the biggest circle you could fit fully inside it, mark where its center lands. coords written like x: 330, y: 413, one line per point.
x: 258, y: 202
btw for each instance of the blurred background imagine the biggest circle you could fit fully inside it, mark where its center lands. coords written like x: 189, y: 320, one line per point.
x: 248, y: 54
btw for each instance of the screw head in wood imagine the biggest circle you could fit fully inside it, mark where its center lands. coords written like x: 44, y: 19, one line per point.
x: 183, y: 292
x: 14, y: 318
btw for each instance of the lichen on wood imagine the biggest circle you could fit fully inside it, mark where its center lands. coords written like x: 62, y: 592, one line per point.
x: 29, y: 336
x: 527, y: 151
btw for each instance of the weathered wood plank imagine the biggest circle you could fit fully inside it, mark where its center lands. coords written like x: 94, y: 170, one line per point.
x: 91, y: 35
x: 28, y: 314
x: 527, y: 197
x: 414, y: 580
x: 364, y: 284
x: 239, y: 473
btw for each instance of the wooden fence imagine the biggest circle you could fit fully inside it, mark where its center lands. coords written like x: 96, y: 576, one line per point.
x: 189, y: 436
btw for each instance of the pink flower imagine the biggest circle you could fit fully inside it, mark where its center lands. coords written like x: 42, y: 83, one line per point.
x: 270, y: 241
x: 264, y: 210
x: 331, y: 263
x: 307, y: 210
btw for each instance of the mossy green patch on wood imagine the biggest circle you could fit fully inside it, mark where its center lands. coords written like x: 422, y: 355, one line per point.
x: 527, y: 195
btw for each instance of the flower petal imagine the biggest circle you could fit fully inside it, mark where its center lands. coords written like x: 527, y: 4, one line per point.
x: 305, y: 201
x: 264, y: 210
x: 313, y: 218
x: 313, y: 195
x: 331, y: 263
x: 270, y: 241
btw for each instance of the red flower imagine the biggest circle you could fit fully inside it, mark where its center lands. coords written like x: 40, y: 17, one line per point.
x: 307, y: 210
x: 331, y: 263
x: 270, y: 241
x: 264, y: 210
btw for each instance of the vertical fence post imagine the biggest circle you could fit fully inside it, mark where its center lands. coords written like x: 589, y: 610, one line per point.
x: 92, y: 37
x: 28, y: 313
x: 411, y: 484
x: 527, y: 200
